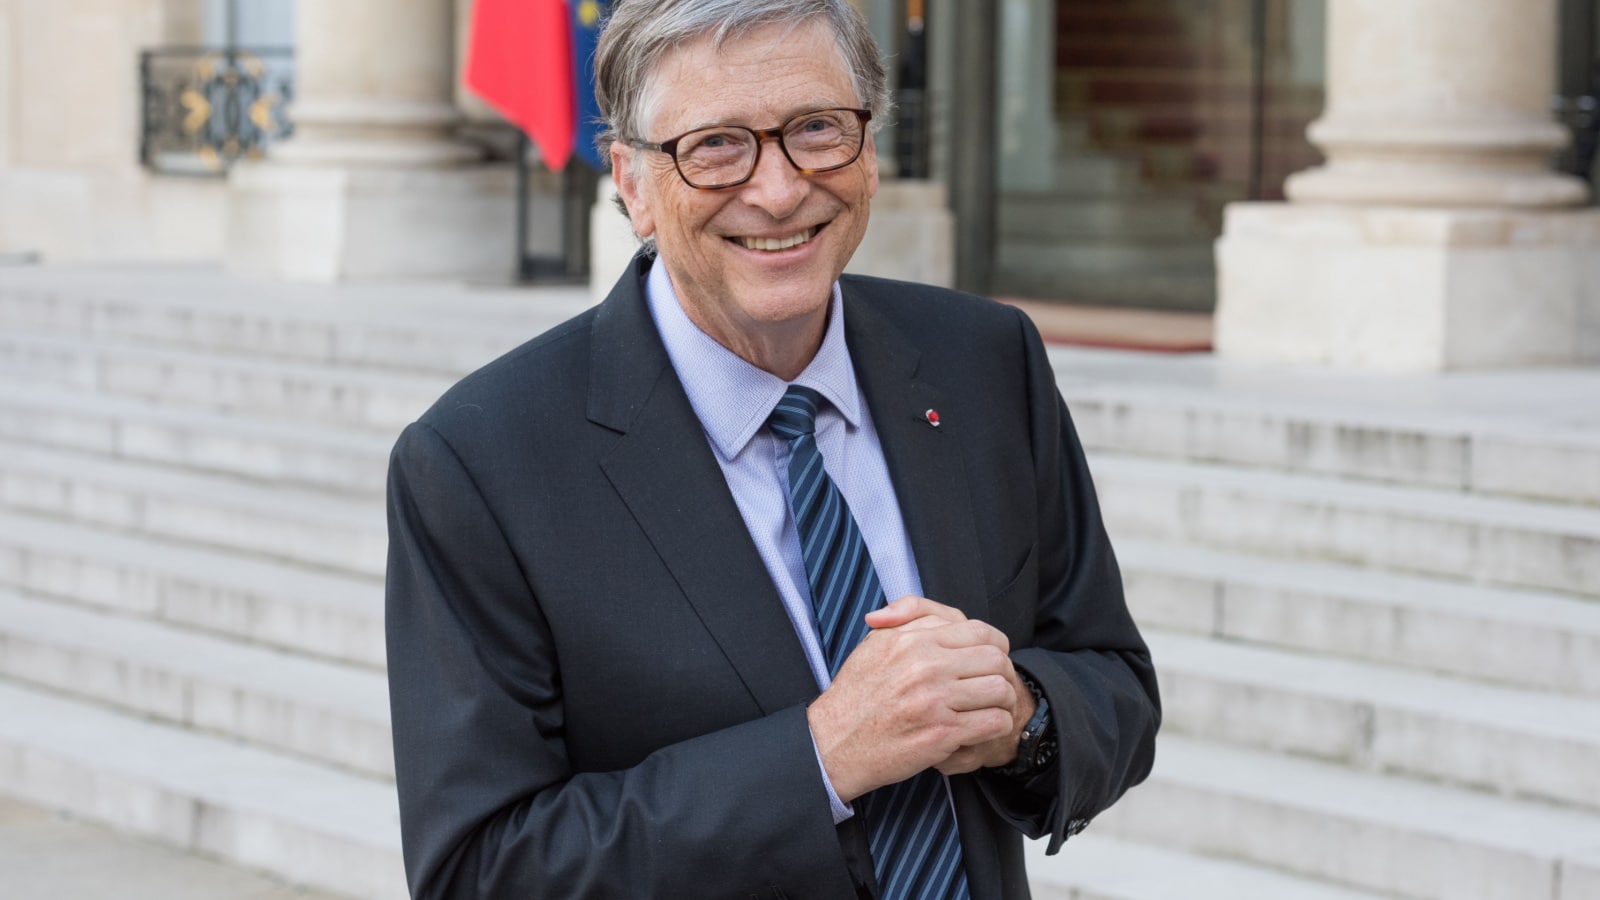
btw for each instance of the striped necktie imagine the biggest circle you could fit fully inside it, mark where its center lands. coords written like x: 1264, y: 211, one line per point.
x: 916, y: 849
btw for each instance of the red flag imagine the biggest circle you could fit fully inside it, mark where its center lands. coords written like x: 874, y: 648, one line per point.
x: 519, y: 60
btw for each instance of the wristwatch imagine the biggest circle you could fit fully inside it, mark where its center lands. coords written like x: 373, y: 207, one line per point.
x: 1036, y: 749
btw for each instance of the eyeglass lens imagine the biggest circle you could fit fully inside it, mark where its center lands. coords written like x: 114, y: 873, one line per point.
x: 726, y: 154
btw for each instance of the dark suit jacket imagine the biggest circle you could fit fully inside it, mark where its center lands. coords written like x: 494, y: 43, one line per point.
x: 596, y: 691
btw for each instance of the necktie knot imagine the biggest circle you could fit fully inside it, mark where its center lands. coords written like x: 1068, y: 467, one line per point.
x: 796, y: 413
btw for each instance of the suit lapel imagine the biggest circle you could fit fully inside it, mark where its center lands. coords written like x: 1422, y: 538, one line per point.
x: 665, y: 473
x: 667, y: 476
x: 925, y: 462
x: 930, y: 481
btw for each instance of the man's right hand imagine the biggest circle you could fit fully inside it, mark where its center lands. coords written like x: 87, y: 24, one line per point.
x: 908, y: 697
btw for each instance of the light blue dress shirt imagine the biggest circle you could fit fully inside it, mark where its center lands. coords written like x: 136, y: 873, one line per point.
x: 733, y: 398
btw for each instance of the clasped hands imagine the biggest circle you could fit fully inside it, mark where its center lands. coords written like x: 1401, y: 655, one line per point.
x: 927, y: 687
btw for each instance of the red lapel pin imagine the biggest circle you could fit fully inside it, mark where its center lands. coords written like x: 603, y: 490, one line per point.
x: 931, y: 417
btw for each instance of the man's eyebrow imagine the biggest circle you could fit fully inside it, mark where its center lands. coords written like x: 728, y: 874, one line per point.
x: 798, y: 109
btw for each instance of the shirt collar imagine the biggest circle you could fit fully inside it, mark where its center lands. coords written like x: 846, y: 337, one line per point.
x: 731, y: 397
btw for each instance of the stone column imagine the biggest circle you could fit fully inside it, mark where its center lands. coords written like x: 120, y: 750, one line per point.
x: 373, y: 183
x: 375, y: 84
x: 1436, y: 235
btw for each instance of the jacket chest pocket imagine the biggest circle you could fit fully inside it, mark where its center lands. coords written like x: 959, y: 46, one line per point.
x: 1013, y: 605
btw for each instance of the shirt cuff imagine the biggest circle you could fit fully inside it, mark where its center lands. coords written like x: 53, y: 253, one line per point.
x: 841, y: 809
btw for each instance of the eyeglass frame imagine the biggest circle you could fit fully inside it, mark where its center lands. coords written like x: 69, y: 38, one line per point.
x: 670, y: 146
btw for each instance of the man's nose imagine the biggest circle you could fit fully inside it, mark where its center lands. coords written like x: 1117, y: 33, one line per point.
x: 776, y: 185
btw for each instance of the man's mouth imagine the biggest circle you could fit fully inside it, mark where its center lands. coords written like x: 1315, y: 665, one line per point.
x: 774, y: 244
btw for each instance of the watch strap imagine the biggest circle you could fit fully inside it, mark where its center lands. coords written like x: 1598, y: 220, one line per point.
x: 1037, y: 747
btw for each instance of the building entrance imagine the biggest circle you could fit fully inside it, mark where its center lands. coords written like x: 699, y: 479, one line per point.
x: 1125, y: 126
x: 1577, y: 100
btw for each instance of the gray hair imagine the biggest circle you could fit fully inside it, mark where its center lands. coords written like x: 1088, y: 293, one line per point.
x: 639, y: 34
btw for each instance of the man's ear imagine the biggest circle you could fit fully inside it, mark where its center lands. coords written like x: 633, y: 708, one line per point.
x: 630, y: 191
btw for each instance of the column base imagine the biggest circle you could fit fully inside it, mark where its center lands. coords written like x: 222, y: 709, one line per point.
x: 1392, y: 289
x: 1432, y: 183
x: 338, y: 223
x: 399, y: 152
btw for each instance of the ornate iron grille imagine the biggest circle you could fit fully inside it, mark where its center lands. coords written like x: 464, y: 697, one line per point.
x: 205, y: 108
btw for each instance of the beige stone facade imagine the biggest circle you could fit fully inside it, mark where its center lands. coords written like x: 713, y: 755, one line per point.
x: 1436, y: 236
x: 374, y: 184
x: 70, y: 182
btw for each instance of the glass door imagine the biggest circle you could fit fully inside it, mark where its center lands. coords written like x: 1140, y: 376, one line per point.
x: 1577, y: 101
x: 1123, y: 128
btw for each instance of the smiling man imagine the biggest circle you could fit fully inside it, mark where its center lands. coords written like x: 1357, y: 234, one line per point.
x: 639, y: 637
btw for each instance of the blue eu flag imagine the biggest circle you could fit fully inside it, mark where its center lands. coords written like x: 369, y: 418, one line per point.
x: 586, y: 16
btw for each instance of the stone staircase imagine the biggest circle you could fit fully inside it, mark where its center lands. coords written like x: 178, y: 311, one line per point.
x: 192, y: 545
x: 1374, y: 603
x: 1374, y: 606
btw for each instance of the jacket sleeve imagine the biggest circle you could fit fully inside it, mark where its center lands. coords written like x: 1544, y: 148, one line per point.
x: 1086, y: 655
x: 490, y: 804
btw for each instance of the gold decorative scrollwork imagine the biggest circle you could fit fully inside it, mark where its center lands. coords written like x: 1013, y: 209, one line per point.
x: 219, y: 107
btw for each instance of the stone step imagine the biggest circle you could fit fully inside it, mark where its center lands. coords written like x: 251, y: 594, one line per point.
x: 321, y: 456
x: 1101, y: 256
x: 1098, y: 51
x: 1179, y: 164
x: 1114, y: 4
x: 310, y: 824
x: 1205, y: 196
x: 1048, y: 215
x: 1092, y: 866
x: 1488, y: 540
x: 355, y: 398
x: 1092, y: 90
x: 1123, y: 127
x: 304, y: 526
x: 1072, y: 135
x: 1134, y: 20
x: 1511, y: 741
x: 1094, y: 174
x: 265, y: 602
x: 1520, y: 434
x: 331, y: 713
x: 1515, y: 638
x: 49, y: 853
x: 445, y: 328
x: 1371, y: 832
x: 1183, y: 291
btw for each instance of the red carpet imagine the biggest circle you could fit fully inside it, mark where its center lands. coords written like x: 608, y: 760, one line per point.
x: 1155, y: 331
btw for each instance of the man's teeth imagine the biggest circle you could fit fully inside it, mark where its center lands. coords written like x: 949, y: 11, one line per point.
x: 778, y: 243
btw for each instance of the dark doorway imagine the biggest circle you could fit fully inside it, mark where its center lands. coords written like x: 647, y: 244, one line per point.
x: 1123, y: 127
x: 1577, y: 100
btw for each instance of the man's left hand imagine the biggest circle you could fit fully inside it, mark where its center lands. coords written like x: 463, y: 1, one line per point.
x: 912, y: 611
